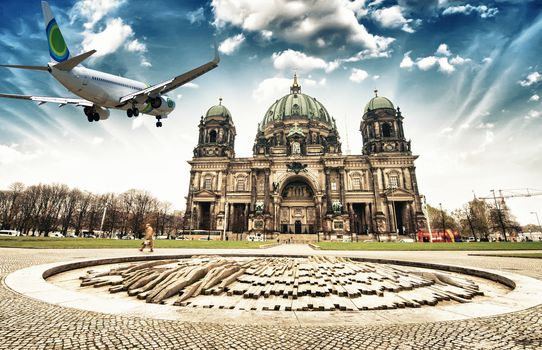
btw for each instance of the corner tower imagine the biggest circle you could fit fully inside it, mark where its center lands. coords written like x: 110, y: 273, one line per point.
x: 216, y: 133
x: 382, y: 128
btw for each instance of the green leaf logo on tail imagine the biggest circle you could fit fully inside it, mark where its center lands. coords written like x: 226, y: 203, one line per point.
x: 57, y: 46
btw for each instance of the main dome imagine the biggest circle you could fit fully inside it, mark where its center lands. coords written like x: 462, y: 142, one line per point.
x: 296, y: 105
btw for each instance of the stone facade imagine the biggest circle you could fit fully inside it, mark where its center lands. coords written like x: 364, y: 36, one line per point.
x: 298, y: 181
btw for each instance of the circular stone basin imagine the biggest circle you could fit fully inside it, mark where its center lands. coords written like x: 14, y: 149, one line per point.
x: 316, y: 283
x: 316, y: 290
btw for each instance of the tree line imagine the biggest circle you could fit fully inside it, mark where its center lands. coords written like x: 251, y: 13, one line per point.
x: 44, y: 208
x: 478, y: 219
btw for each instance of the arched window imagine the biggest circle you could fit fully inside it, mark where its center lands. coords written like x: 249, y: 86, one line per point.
x: 387, y: 130
x: 208, y: 183
x: 240, y: 185
x: 212, y: 136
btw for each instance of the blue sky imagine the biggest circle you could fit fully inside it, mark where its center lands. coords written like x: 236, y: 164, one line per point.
x: 466, y: 74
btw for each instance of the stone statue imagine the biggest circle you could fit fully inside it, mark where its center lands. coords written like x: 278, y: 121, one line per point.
x: 336, y: 206
x: 296, y: 148
x: 258, y: 208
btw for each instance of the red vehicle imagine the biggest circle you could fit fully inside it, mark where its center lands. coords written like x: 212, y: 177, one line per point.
x: 438, y: 235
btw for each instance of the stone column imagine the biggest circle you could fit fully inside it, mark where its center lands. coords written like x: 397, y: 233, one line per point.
x: 328, y: 189
x: 253, y: 189
x: 343, y: 190
x: 266, y: 191
x: 212, y: 216
x: 319, y: 213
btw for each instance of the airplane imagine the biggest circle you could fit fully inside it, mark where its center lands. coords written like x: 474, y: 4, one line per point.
x: 101, y: 91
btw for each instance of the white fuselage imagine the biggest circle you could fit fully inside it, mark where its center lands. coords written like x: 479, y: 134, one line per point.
x: 106, y: 90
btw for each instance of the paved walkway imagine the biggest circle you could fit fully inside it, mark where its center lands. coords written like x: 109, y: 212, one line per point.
x: 30, y: 324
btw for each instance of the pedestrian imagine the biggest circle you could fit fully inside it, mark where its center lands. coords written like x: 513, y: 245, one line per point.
x: 148, y: 240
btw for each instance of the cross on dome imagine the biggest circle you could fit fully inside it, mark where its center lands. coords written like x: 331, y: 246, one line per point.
x: 295, y: 88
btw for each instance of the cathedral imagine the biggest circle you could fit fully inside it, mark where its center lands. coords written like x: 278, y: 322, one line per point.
x: 298, y: 181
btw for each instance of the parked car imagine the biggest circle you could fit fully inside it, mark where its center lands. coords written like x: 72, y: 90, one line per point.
x: 56, y: 234
x: 9, y: 233
x: 161, y: 237
x: 180, y: 238
x: 128, y: 237
x: 470, y: 239
x: 407, y: 240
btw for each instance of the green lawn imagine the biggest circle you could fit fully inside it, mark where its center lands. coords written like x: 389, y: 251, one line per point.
x: 71, y: 243
x: 430, y: 246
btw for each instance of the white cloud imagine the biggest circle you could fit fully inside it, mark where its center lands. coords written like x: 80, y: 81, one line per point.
x: 270, y: 88
x: 482, y: 10
x: 10, y: 155
x: 145, y: 63
x: 96, y: 140
x: 376, y: 77
x: 295, y: 60
x: 487, y: 60
x: 108, y: 40
x: 191, y: 85
x: 447, y: 131
x: 444, y: 64
x: 534, y: 98
x: 196, y: 16
x: 532, y: 78
x: 305, y: 22
x: 458, y: 60
x: 392, y: 17
x: 443, y: 50
x: 407, y: 61
x: 532, y: 114
x: 358, y: 75
x: 426, y: 63
x: 135, y: 46
x: 179, y: 96
x: 266, y: 34
x: 231, y: 44
x: 485, y: 126
x: 94, y: 10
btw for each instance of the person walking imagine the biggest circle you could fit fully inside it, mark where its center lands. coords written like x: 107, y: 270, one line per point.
x: 148, y: 240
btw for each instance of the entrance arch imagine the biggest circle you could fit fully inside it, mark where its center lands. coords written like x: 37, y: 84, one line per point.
x: 299, y: 210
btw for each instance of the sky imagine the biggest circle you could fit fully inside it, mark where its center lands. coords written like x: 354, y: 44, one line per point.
x: 466, y: 74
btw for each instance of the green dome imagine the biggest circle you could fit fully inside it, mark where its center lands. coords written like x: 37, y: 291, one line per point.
x: 296, y: 106
x: 218, y: 111
x: 378, y: 102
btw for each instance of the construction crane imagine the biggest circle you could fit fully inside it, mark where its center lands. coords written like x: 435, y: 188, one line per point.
x: 522, y: 192
x: 512, y: 193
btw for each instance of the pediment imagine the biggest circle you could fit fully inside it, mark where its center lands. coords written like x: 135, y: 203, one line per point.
x: 400, y: 194
x: 204, y: 195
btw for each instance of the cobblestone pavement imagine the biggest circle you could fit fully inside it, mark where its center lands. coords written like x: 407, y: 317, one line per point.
x: 29, y: 324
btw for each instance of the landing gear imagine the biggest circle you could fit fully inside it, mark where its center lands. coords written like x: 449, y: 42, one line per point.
x: 92, y: 115
x: 132, y: 112
x: 158, y: 122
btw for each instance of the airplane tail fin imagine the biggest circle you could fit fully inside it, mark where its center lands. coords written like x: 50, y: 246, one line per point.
x: 57, y: 46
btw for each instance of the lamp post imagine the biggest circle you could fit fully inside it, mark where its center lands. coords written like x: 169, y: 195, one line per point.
x: 426, y: 212
x: 536, y: 214
x: 500, y: 216
x: 443, y: 222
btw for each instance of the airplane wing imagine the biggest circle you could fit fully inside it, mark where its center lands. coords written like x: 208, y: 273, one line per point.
x: 171, y: 84
x: 44, y: 99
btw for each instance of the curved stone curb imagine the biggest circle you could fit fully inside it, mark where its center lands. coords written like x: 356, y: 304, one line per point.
x: 31, y: 282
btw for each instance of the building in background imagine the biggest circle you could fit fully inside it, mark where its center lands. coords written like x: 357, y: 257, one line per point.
x: 298, y: 181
